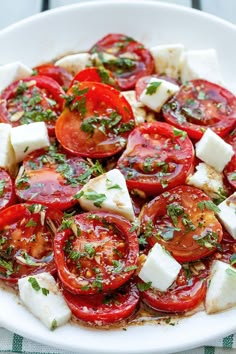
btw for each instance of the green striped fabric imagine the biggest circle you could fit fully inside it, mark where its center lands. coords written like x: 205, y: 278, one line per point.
x: 13, y: 343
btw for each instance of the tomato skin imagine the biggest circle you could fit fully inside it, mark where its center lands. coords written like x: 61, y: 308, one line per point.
x: 180, y: 221
x: 151, y: 163
x: 104, y: 309
x: 81, y: 277
x: 111, y: 115
x: 200, y: 104
x: 26, y: 239
x: 119, y: 45
x: 7, y: 195
x: 95, y: 74
x: 57, y: 73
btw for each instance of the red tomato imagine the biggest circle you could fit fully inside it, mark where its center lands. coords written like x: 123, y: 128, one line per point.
x: 183, y: 221
x: 200, y: 104
x: 227, y: 251
x: 34, y: 99
x: 157, y: 157
x: 51, y: 178
x: 131, y: 60
x: 187, y: 292
x: 230, y: 169
x: 59, y: 74
x: 7, y: 191
x: 97, y: 253
x: 104, y: 309
x: 26, y: 240
x: 96, y: 75
x: 96, y: 121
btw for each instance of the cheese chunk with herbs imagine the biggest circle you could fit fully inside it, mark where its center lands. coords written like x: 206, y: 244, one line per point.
x: 201, y: 64
x: 41, y: 296
x: 107, y: 192
x: 160, y: 268
x: 167, y: 59
x: 221, y: 292
x: 227, y: 214
x: 27, y: 138
x: 74, y: 62
x: 213, y: 150
x: 157, y: 92
x: 12, y: 72
x: 7, y: 154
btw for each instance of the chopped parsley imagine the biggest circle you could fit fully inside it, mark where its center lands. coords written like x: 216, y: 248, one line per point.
x: 35, y: 285
x: 208, y: 204
x: 153, y: 87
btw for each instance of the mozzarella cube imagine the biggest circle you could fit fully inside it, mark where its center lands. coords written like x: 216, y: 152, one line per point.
x: 12, y: 72
x: 221, y: 292
x: 213, y: 150
x: 157, y: 92
x: 74, y: 62
x: 7, y: 154
x: 27, y: 138
x: 41, y: 296
x: 160, y: 268
x: 167, y: 59
x: 207, y: 179
x: 111, y: 187
x: 227, y: 214
x: 201, y: 64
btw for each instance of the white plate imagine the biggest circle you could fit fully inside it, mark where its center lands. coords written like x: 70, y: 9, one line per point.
x: 76, y: 28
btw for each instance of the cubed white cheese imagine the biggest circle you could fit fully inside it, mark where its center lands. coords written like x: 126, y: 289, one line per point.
x: 12, y: 72
x: 27, y: 138
x: 157, y: 92
x: 112, y: 190
x: 221, y: 292
x: 74, y: 62
x: 7, y: 154
x: 227, y: 214
x: 207, y: 179
x: 201, y: 64
x: 213, y: 150
x: 167, y: 59
x: 41, y: 296
x: 160, y: 268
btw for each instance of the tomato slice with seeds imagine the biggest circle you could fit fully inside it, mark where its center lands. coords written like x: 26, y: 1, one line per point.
x: 130, y: 61
x: 200, y: 104
x: 230, y: 169
x: 96, y: 121
x: 96, y: 75
x: 104, y: 309
x: 57, y: 73
x: 26, y: 240
x: 97, y: 253
x: 51, y: 178
x: 7, y: 191
x: 157, y: 157
x: 183, y: 221
x: 33, y: 99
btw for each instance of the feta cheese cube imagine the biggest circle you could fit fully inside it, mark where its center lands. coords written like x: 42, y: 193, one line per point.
x: 27, y: 138
x: 160, y: 268
x: 157, y: 92
x: 41, y: 296
x: 12, y: 72
x: 227, y: 214
x: 167, y: 59
x: 221, y: 292
x: 201, y: 64
x: 7, y: 154
x: 74, y: 62
x: 207, y: 179
x: 111, y: 187
x: 213, y: 150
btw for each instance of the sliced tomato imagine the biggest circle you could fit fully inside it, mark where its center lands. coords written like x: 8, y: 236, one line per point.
x: 7, y: 190
x: 183, y: 221
x: 59, y: 74
x: 230, y: 169
x: 104, y: 309
x: 227, y: 251
x: 199, y: 105
x: 97, y: 253
x: 26, y: 240
x: 33, y: 99
x: 185, y: 294
x: 51, y: 178
x: 130, y: 61
x: 157, y: 157
x: 96, y: 75
x: 96, y: 121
